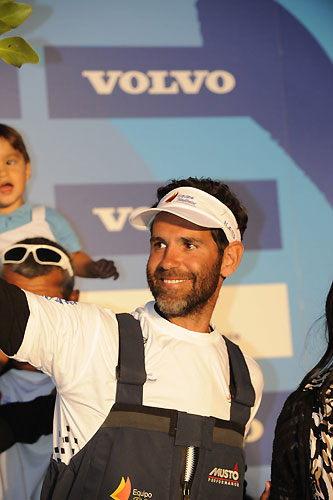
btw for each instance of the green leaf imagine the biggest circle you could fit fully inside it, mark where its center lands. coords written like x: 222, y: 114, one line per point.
x: 16, y: 51
x: 4, y: 27
x: 14, y: 13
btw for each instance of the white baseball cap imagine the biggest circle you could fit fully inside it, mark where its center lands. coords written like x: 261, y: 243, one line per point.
x: 194, y: 205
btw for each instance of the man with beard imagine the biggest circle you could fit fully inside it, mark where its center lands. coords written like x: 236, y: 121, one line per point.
x: 160, y: 411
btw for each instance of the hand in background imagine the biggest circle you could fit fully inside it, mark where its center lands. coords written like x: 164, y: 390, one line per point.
x: 85, y: 267
x: 103, y: 268
x: 265, y: 494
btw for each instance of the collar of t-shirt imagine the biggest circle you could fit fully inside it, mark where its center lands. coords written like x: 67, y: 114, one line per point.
x: 164, y: 326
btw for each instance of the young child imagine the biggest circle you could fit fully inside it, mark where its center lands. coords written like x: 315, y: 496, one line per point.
x: 19, y: 219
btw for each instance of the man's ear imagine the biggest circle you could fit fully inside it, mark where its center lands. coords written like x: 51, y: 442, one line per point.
x: 231, y: 258
x: 74, y: 295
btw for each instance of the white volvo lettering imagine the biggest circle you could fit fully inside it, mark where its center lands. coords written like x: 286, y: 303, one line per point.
x: 113, y: 219
x: 103, y: 82
x: 158, y: 83
x: 190, y: 81
x: 220, y: 82
x: 134, y: 82
x: 155, y: 81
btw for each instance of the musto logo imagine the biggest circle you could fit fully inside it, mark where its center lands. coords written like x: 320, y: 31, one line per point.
x: 160, y: 82
x: 227, y: 477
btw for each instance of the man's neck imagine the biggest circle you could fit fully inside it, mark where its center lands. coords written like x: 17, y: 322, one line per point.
x: 195, y: 322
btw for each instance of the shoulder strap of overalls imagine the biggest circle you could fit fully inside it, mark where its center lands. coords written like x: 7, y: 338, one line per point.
x: 241, y: 389
x: 131, y: 373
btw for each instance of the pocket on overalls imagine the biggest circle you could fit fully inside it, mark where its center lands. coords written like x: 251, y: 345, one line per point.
x: 220, y: 474
x: 134, y: 463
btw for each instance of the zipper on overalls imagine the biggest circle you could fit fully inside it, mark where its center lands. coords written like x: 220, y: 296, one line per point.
x: 191, y: 458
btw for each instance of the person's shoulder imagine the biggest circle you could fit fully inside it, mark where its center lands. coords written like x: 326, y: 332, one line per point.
x: 53, y: 214
x: 84, y: 310
x: 144, y: 311
x: 253, y: 367
x: 96, y: 311
x: 150, y: 321
x: 62, y: 230
x: 255, y: 371
x: 50, y: 213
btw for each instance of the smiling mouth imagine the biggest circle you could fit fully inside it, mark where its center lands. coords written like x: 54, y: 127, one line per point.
x: 173, y: 281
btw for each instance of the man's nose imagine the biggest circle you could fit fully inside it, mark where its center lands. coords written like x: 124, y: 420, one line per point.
x: 171, y: 258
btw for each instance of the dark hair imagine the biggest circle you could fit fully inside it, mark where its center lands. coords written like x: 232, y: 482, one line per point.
x: 222, y: 192
x: 325, y: 365
x: 31, y: 269
x: 15, y: 139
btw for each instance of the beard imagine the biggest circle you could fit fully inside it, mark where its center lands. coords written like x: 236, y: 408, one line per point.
x: 172, y: 303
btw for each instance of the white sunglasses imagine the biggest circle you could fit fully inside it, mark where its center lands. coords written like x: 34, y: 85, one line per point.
x: 43, y: 254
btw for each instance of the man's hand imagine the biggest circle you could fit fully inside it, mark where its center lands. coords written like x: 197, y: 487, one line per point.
x: 103, y: 269
x: 265, y: 494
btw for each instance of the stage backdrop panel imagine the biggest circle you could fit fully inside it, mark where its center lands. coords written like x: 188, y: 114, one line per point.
x: 130, y: 94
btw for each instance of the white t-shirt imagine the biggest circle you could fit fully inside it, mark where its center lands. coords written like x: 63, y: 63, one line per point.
x: 186, y: 370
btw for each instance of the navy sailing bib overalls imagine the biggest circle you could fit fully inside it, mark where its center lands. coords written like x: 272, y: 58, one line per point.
x: 143, y: 452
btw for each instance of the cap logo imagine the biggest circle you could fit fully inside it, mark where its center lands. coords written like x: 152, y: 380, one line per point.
x: 172, y: 197
x: 181, y: 198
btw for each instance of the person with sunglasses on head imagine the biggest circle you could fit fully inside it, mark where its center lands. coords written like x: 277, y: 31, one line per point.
x: 19, y: 219
x: 157, y: 403
x: 43, y: 267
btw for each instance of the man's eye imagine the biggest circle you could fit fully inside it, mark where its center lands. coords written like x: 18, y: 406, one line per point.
x: 190, y: 246
x: 10, y: 162
x: 159, y: 244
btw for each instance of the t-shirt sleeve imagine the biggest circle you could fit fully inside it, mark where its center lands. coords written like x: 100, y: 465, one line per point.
x: 65, y: 338
x: 63, y: 231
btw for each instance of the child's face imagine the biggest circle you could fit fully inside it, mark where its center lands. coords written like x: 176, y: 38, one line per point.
x: 14, y: 172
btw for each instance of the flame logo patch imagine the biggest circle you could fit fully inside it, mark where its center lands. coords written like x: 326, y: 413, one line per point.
x: 172, y: 197
x: 123, y: 491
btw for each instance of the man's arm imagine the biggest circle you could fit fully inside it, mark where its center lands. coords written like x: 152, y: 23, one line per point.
x: 14, y: 314
x: 26, y: 422
x: 265, y: 493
